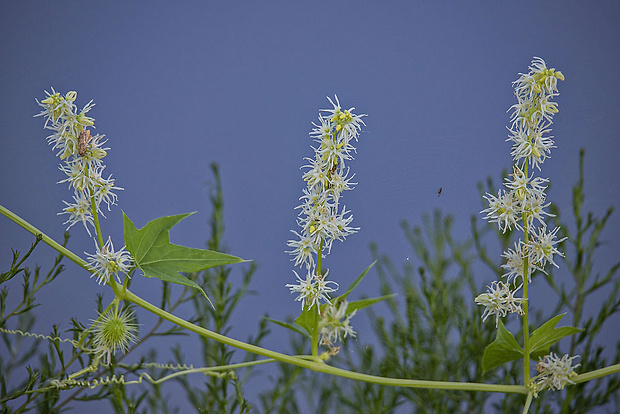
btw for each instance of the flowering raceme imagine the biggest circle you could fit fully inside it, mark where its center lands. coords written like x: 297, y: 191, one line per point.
x: 521, y: 205
x: 83, y: 155
x: 321, y: 217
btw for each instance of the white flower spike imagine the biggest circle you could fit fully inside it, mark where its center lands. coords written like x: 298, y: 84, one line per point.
x: 521, y: 205
x: 82, y: 154
x: 321, y: 217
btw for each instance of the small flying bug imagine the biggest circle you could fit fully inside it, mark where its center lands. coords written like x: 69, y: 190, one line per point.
x: 83, y: 141
x: 439, y: 191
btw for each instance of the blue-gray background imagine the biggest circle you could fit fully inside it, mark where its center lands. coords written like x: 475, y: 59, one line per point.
x: 181, y: 84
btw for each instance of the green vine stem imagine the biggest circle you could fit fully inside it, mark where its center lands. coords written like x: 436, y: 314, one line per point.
x: 123, y: 293
x: 313, y: 365
x: 48, y: 240
x: 599, y: 373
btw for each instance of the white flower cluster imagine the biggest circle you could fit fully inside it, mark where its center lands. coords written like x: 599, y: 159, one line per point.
x: 533, y: 113
x: 321, y: 217
x: 521, y: 204
x: 334, y: 324
x: 83, y: 164
x: 555, y: 372
x: 106, y: 263
x: 82, y: 155
x: 500, y: 300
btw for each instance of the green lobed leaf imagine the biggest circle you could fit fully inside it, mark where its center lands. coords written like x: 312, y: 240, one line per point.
x: 362, y: 303
x: 357, y: 281
x: 308, y: 319
x: 155, y: 256
x: 292, y: 327
x: 547, y: 334
x: 503, y: 349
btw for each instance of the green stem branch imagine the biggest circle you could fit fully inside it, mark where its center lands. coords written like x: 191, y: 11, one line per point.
x: 588, y: 376
x: 93, y: 209
x: 124, y: 294
x: 318, y: 366
x: 48, y: 240
x: 526, y: 277
x: 528, y: 402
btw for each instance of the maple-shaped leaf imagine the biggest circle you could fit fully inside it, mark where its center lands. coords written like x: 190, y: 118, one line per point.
x: 155, y: 256
x: 547, y: 335
x: 503, y: 349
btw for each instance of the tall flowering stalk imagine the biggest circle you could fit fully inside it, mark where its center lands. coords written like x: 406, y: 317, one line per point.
x: 521, y: 205
x: 82, y: 155
x: 322, y: 217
